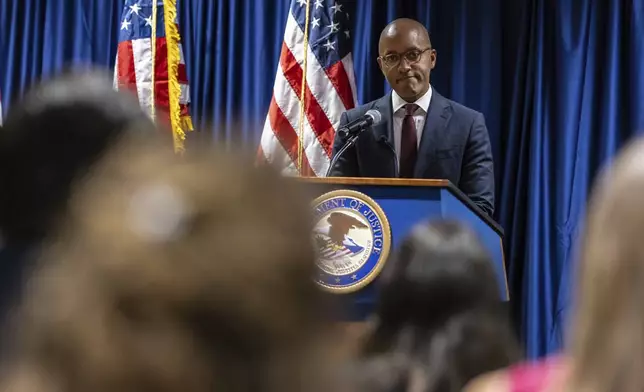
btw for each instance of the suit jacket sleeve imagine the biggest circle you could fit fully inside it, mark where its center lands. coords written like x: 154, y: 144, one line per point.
x: 347, y: 164
x: 477, y: 178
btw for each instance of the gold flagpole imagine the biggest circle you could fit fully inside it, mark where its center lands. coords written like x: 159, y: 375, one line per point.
x: 300, y: 138
x: 153, y: 41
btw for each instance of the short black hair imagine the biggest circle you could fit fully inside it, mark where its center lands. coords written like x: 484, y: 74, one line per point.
x: 51, y: 139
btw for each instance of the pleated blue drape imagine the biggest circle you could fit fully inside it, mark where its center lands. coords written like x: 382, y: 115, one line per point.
x: 560, y: 83
x: 577, y: 96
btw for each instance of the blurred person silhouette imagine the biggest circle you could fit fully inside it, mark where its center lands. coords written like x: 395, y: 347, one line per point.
x: 175, y: 274
x: 49, y: 141
x: 604, y: 351
x: 439, y: 319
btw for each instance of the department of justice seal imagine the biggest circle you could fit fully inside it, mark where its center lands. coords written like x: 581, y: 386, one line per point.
x: 352, y: 238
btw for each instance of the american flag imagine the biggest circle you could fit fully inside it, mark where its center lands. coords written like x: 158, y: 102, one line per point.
x: 317, y: 58
x: 154, y: 69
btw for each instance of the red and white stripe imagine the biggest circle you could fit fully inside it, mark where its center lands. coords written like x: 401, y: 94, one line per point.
x: 328, y: 94
x: 134, y: 71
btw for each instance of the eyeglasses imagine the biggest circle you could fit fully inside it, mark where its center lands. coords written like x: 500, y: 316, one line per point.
x: 412, y: 57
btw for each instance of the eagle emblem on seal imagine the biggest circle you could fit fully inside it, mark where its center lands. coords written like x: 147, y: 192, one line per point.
x: 352, y: 239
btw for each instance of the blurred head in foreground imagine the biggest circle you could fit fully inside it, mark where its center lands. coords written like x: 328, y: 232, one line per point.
x: 607, y: 336
x: 438, y: 320
x: 175, y: 273
x: 50, y: 140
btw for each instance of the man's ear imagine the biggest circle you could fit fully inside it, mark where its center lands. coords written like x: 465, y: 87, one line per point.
x: 432, y: 58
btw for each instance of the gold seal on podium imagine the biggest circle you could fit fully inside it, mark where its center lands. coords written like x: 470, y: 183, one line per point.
x: 352, y: 238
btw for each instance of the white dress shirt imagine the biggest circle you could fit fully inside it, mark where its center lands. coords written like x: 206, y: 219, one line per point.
x: 397, y: 103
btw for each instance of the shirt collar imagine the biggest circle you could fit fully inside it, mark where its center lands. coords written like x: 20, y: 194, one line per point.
x: 423, y: 102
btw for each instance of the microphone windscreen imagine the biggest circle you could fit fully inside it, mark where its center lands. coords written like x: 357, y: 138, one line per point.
x: 375, y: 116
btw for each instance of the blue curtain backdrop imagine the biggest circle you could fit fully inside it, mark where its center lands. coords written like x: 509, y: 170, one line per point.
x: 559, y: 81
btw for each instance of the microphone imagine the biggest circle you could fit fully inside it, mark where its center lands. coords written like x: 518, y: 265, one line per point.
x: 356, y: 126
x: 352, y: 131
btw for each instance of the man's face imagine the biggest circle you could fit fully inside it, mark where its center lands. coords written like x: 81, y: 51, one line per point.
x: 406, y: 59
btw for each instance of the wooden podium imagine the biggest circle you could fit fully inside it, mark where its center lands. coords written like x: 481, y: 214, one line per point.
x: 407, y: 202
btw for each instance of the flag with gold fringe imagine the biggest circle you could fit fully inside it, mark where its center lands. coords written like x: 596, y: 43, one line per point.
x: 150, y: 64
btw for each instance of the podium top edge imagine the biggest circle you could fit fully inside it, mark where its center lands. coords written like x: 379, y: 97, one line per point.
x: 378, y: 181
x: 413, y: 182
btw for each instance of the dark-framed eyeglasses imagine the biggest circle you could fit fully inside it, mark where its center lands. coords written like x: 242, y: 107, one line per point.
x: 412, y: 56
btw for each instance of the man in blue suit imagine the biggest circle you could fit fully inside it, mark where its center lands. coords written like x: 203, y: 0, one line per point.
x: 422, y: 134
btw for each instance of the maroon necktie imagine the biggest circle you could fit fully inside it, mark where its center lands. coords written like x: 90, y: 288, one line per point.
x: 408, y: 142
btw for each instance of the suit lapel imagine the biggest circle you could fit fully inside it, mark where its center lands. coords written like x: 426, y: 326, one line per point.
x: 385, y: 130
x: 438, y: 115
